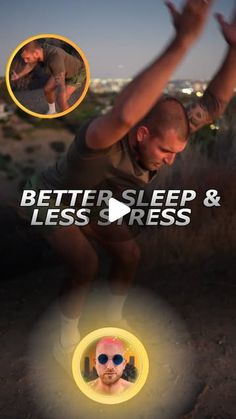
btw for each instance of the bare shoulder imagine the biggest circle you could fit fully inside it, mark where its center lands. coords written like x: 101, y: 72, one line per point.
x: 126, y: 384
x: 105, y: 131
x: 93, y: 384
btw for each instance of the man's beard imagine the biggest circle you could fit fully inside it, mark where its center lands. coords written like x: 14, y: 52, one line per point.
x: 149, y: 165
x: 110, y: 378
x: 145, y: 163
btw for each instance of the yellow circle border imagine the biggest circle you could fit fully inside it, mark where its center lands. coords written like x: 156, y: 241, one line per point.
x: 121, y: 334
x: 87, y: 69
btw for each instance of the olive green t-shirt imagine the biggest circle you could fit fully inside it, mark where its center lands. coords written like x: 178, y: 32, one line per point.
x: 57, y: 61
x: 114, y: 168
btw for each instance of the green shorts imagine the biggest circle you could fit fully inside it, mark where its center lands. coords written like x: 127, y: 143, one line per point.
x: 78, y: 79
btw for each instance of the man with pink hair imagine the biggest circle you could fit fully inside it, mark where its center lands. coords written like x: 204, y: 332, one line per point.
x: 110, y: 363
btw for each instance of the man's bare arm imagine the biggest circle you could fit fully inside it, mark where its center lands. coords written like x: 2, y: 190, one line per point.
x: 26, y: 70
x: 61, y: 92
x: 143, y: 92
x: 220, y: 89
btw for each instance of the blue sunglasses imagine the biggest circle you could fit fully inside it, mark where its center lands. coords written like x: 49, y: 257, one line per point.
x: 116, y: 359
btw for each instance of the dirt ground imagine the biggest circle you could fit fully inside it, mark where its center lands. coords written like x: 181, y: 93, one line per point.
x: 202, y: 294
x: 34, y: 100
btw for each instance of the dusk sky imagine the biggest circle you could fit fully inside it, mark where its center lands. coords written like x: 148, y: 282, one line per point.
x: 118, y: 37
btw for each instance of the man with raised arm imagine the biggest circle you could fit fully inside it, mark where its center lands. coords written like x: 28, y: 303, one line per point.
x: 141, y: 133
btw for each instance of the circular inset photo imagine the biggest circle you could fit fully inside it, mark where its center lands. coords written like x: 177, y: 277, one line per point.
x: 47, y: 76
x: 110, y: 365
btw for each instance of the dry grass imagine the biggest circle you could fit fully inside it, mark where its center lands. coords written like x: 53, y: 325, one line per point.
x: 212, y: 231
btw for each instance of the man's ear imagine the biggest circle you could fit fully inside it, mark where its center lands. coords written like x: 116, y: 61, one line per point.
x: 36, y: 54
x: 142, y: 133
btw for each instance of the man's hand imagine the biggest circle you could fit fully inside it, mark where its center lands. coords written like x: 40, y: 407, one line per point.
x: 26, y: 70
x: 141, y: 94
x: 14, y: 76
x: 190, y: 21
x: 220, y: 89
x: 228, y: 29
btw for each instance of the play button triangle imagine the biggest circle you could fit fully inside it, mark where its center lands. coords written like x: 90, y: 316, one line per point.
x: 116, y: 210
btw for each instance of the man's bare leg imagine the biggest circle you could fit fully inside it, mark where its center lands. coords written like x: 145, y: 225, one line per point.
x: 50, y: 95
x: 125, y: 259
x: 125, y: 255
x: 74, y: 248
x: 70, y: 90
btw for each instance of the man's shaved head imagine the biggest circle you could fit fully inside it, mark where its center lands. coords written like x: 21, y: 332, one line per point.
x: 109, y: 372
x: 31, y: 47
x: 167, y: 113
x: 161, y: 134
x: 110, y: 342
x: 32, y: 52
